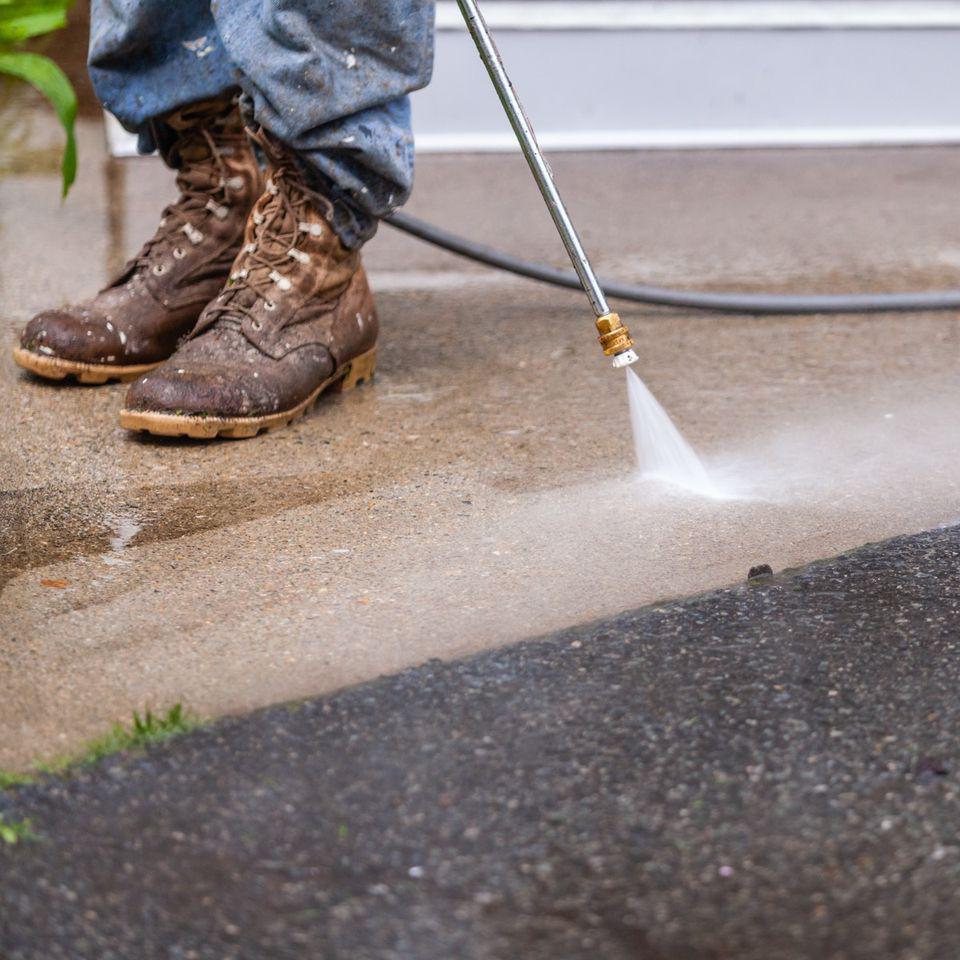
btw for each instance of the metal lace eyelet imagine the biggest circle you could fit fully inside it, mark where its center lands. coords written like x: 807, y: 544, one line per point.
x: 256, y: 324
x: 179, y: 253
x: 269, y: 305
x: 159, y: 269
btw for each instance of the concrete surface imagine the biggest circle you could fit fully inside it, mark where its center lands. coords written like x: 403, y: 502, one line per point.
x: 762, y: 773
x: 482, y: 491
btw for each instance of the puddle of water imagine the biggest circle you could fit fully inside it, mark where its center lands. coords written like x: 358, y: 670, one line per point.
x: 33, y: 532
x: 662, y: 452
x: 125, y: 526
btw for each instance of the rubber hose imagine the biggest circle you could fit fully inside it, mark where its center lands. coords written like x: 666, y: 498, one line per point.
x: 753, y: 303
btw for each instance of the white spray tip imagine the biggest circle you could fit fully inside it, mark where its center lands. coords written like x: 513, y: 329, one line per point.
x: 625, y: 359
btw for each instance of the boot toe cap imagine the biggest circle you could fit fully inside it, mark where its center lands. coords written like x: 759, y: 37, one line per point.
x: 199, y: 392
x: 71, y: 336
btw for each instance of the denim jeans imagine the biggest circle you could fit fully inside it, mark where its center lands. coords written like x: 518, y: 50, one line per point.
x: 329, y: 78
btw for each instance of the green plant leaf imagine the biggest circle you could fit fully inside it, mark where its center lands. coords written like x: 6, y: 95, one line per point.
x: 15, y: 29
x: 43, y: 74
x: 20, y: 19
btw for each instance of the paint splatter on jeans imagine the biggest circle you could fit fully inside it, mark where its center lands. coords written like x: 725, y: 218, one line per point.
x: 330, y: 78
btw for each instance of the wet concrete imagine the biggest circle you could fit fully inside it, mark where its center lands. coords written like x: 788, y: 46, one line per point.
x: 759, y: 773
x: 481, y: 491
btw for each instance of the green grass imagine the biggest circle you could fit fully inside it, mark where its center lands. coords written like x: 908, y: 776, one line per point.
x: 144, y: 731
x: 13, y: 832
x: 9, y: 779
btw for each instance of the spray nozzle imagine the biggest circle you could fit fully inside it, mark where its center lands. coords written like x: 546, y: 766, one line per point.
x: 615, y: 340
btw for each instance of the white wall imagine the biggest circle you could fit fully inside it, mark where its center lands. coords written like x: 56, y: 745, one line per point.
x: 678, y: 73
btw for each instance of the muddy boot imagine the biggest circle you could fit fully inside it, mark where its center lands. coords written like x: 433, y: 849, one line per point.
x: 136, y: 322
x: 295, y: 318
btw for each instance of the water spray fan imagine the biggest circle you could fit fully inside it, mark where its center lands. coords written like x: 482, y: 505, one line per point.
x: 613, y: 334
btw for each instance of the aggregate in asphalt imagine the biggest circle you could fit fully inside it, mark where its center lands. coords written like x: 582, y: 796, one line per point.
x: 768, y: 771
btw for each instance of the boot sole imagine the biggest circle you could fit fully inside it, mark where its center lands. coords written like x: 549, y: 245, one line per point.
x: 56, y: 368
x: 356, y: 371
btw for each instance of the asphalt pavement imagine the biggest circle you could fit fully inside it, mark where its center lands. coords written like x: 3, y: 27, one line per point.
x: 765, y: 772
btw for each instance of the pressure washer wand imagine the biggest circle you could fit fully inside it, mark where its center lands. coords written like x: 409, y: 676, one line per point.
x: 614, y: 336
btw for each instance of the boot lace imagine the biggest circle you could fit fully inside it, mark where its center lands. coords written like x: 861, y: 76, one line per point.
x: 205, y: 185
x: 259, y: 273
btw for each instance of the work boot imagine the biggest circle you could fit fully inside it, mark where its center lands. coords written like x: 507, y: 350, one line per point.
x: 295, y: 318
x: 135, y: 322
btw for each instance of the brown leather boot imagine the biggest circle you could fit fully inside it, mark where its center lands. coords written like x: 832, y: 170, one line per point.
x: 295, y: 318
x: 135, y: 322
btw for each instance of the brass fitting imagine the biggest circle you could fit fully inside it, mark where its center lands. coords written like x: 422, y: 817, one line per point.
x: 615, y: 339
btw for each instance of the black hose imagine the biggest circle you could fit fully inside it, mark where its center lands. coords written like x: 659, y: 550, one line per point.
x: 756, y: 303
